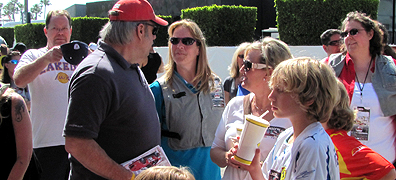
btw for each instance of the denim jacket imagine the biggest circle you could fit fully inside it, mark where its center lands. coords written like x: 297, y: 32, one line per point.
x: 383, y: 79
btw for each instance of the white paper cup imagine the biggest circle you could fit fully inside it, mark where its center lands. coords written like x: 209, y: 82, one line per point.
x: 252, y: 134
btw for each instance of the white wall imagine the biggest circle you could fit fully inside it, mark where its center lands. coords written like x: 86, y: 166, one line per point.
x: 220, y: 56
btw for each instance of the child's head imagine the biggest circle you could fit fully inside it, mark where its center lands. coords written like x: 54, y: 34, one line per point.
x: 312, y: 82
x: 342, y: 116
x: 165, y: 173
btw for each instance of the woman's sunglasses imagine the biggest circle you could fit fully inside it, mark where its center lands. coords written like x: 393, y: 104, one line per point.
x: 14, y: 61
x: 351, y: 32
x: 241, y: 56
x: 249, y: 65
x: 186, y: 41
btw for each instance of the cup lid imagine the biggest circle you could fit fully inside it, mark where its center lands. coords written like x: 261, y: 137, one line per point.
x: 257, y: 120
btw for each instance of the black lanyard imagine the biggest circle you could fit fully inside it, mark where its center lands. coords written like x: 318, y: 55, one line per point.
x: 362, y: 87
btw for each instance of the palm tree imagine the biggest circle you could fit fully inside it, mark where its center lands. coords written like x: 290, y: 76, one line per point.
x: 1, y: 7
x: 10, y: 9
x: 36, y: 10
x: 21, y: 8
x: 45, y: 3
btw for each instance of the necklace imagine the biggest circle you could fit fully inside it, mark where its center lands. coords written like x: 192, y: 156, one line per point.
x: 362, y: 87
x: 255, y: 105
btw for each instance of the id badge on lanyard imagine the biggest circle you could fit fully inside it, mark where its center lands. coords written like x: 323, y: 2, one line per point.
x: 361, y: 124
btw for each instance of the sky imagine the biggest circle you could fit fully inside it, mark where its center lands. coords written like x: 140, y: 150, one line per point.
x: 55, y: 4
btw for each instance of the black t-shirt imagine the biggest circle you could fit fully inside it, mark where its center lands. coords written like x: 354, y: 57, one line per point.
x: 110, y: 102
x: 151, y: 68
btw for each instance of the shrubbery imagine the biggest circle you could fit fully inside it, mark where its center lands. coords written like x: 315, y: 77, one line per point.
x: 8, y: 35
x: 301, y: 22
x: 224, y: 25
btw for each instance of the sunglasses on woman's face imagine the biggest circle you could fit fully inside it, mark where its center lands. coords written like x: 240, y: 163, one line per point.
x: 14, y: 61
x: 241, y: 56
x: 249, y: 65
x: 351, y: 32
x: 186, y: 41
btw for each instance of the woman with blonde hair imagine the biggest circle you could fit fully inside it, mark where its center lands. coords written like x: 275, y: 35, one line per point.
x: 189, y: 101
x: 304, y: 91
x: 232, y: 82
x: 165, y: 173
x: 261, y: 58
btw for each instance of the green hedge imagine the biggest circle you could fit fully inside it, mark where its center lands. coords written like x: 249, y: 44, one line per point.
x: 31, y: 34
x: 301, y: 22
x: 86, y: 29
x: 8, y: 35
x: 162, y: 36
x: 224, y: 25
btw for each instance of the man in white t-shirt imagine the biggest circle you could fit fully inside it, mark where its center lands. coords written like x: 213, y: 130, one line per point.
x: 47, y: 74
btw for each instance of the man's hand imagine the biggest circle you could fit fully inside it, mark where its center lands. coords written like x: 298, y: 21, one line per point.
x: 54, y: 54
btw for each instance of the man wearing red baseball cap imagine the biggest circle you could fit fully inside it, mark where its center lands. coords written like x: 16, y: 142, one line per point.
x: 111, y: 115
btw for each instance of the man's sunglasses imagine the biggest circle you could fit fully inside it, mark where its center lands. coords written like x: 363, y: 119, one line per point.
x: 249, y: 65
x: 186, y: 41
x: 14, y: 61
x: 351, y: 32
x: 155, y: 28
x: 335, y: 42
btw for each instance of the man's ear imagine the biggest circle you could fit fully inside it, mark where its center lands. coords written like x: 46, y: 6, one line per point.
x: 324, y: 48
x: 140, y: 31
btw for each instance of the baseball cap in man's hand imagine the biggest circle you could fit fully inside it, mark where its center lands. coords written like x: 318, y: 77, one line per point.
x: 74, y: 52
x: 134, y: 10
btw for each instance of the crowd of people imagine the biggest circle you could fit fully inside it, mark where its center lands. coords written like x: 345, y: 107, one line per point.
x: 329, y: 119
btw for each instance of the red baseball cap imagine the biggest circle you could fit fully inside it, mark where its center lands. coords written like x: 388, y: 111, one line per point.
x: 134, y: 10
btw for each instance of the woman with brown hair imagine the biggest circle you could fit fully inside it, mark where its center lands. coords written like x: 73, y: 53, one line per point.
x: 369, y: 78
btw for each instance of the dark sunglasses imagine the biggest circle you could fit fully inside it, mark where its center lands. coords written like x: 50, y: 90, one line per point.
x: 241, y: 56
x: 351, y: 32
x: 249, y: 65
x: 155, y: 28
x: 186, y: 41
x: 14, y: 61
x: 335, y: 42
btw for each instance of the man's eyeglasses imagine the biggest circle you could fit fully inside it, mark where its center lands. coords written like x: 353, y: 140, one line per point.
x: 14, y: 61
x: 155, y: 28
x: 351, y: 32
x: 186, y: 41
x: 241, y: 56
x: 249, y: 65
x: 59, y: 29
x: 335, y: 42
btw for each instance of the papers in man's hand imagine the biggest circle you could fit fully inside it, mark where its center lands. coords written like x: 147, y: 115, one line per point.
x: 153, y: 157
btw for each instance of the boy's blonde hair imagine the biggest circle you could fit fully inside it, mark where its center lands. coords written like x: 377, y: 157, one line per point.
x: 165, y: 173
x: 314, y: 84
